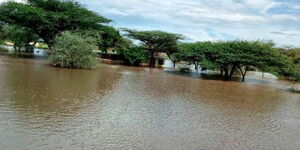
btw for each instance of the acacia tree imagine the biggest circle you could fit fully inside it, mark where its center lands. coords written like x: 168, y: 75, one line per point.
x: 109, y: 38
x: 48, y: 18
x: 234, y: 56
x: 155, y: 42
x: 231, y: 57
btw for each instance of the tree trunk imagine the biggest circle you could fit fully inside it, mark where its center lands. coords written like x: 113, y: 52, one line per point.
x: 243, y: 73
x: 232, y: 70
x: 244, y: 76
x: 173, y: 60
x: 226, y: 75
x: 152, y: 60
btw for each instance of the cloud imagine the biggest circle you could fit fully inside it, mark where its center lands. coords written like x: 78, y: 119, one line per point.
x: 20, y: 1
x: 285, y: 34
x: 228, y: 19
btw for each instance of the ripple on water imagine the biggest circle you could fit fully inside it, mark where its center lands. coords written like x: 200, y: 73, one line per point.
x: 119, y: 107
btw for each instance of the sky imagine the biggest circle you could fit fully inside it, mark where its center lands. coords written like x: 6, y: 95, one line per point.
x: 203, y: 20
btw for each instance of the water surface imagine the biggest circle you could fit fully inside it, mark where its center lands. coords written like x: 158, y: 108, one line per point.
x: 118, y: 107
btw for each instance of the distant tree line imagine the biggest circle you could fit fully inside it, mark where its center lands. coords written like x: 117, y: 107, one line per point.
x: 71, y: 32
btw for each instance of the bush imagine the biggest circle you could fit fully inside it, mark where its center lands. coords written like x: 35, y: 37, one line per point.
x: 133, y: 55
x: 295, y: 75
x: 72, y: 50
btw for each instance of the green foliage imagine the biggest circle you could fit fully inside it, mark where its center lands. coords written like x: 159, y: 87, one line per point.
x: 294, y: 77
x: 109, y: 38
x: 72, y: 50
x: 294, y: 54
x: 20, y: 36
x: 230, y: 57
x: 42, y: 46
x: 289, y: 65
x: 133, y: 55
x: 155, y: 42
x: 47, y: 18
x: 194, y: 53
x: 106, y: 37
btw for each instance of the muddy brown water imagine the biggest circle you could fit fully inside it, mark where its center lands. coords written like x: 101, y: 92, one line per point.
x: 118, y: 107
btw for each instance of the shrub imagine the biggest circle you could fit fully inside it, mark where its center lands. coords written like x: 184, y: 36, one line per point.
x: 72, y: 50
x: 133, y: 55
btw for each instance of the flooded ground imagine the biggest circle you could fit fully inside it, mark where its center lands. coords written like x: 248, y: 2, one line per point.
x: 118, y: 107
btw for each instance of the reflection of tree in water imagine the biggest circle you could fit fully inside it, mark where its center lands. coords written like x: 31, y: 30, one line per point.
x: 44, y: 94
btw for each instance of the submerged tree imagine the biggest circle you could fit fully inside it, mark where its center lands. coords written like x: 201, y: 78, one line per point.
x: 20, y: 36
x: 242, y: 55
x: 194, y: 53
x: 48, y: 18
x: 155, y: 42
x: 230, y: 57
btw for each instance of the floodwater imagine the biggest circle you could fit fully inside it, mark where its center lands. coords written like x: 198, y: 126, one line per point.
x: 118, y: 107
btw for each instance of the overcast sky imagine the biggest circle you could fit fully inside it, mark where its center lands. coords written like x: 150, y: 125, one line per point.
x: 200, y: 20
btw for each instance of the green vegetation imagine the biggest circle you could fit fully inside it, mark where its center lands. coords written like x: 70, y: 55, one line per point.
x: 72, y: 32
x: 133, y: 55
x: 109, y: 38
x: 20, y: 36
x: 292, y: 69
x: 193, y: 53
x: 72, y: 50
x: 291, y: 62
x: 230, y: 57
x: 48, y: 18
x: 155, y: 42
x: 42, y: 46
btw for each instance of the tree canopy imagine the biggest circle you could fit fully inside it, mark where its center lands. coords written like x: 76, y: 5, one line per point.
x: 155, y: 42
x: 230, y: 57
x: 20, y: 36
x: 48, y: 18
